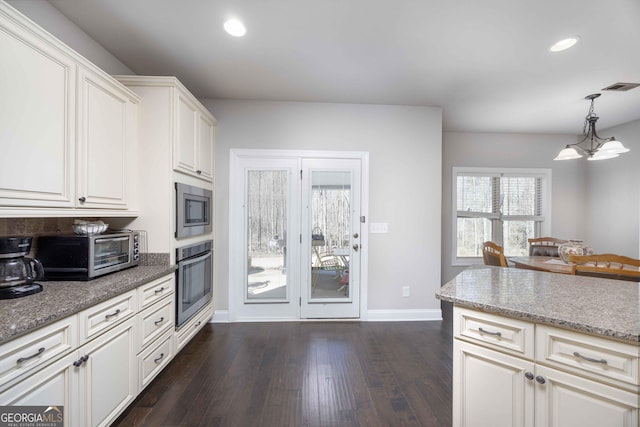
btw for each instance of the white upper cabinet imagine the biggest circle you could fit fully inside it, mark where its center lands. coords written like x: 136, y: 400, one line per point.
x: 37, y: 122
x: 173, y: 119
x: 206, y: 138
x: 193, y: 146
x: 67, y: 129
x: 105, y: 129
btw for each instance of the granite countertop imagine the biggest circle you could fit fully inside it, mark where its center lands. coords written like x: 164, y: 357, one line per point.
x: 64, y: 298
x: 605, y: 307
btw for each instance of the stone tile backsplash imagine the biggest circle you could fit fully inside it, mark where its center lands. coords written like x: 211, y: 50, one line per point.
x: 34, y: 226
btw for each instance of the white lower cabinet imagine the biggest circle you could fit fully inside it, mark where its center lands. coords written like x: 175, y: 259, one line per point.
x: 94, y: 383
x: 95, y: 363
x: 574, y: 380
x: 193, y: 326
x: 156, y: 328
x: 490, y: 388
x: 107, y: 378
x: 566, y: 400
x: 55, y: 385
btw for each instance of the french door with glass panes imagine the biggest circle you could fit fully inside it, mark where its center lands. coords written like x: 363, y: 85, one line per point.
x: 295, y: 236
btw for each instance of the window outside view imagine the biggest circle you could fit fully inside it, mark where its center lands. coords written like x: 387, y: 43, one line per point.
x: 502, y: 209
x: 267, y: 229
x: 267, y: 192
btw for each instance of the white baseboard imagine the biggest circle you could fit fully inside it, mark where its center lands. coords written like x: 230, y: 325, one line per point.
x: 222, y: 316
x: 404, y: 315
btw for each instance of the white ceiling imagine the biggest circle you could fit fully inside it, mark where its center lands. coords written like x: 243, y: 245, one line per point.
x: 485, y: 62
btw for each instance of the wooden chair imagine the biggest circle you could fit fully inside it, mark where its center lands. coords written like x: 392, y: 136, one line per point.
x: 545, y: 246
x: 493, y: 254
x: 607, y: 266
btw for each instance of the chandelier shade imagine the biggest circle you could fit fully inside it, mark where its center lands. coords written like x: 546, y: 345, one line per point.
x: 592, y: 145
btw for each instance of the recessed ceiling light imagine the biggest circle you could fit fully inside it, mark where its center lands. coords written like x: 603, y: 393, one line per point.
x: 564, y: 44
x: 235, y: 28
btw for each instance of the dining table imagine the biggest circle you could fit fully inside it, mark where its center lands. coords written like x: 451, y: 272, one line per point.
x: 542, y: 263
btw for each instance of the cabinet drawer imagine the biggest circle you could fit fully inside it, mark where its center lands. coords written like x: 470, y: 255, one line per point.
x: 154, y: 358
x: 101, y: 317
x: 37, y: 349
x: 189, y: 329
x: 511, y: 335
x: 156, y: 290
x: 588, y: 355
x: 155, y: 320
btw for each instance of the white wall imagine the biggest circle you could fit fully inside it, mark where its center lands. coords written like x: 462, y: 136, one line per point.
x: 509, y: 151
x: 613, y: 203
x: 405, y: 169
x: 48, y: 17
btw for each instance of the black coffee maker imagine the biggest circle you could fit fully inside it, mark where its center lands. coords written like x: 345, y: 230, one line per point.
x: 17, y: 271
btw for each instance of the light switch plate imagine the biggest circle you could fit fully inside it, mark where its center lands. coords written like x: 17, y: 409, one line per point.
x: 379, y: 227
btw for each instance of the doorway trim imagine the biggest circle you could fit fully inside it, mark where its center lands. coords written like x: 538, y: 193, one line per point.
x: 236, y: 197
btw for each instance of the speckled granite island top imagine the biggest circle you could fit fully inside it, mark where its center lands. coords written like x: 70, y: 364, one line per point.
x: 604, y: 307
x: 61, y: 299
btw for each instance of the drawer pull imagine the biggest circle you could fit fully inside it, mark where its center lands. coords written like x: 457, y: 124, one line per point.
x: 496, y: 334
x: 159, y: 291
x: 38, y: 353
x: 197, y: 324
x: 528, y: 375
x: 159, y: 358
x: 540, y: 380
x: 109, y: 316
x: 589, y: 359
x: 159, y: 321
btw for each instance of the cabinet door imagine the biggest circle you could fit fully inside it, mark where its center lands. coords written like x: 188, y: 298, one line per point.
x: 52, y: 386
x: 184, y: 155
x: 37, y: 120
x: 565, y: 400
x: 490, y: 388
x: 206, y: 137
x: 108, y: 378
x: 104, y: 131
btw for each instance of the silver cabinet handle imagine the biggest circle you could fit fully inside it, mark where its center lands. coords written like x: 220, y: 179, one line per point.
x: 159, y: 358
x: 197, y: 324
x: 109, y: 316
x: 528, y: 375
x: 540, y: 380
x: 159, y: 321
x: 356, y: 247
x: 496, y: 334
x: 159, y: 291
x: 38, y: 353
x: 589, y: 359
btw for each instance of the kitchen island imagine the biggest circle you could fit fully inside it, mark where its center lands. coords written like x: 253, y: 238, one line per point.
x: 542, y: 349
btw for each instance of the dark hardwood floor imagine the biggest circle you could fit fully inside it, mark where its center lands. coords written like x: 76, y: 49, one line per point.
x: 304, y: 374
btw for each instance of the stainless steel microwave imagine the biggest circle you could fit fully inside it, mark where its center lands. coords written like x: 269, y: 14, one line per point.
x: 193, y: 211
x: 82, y: 257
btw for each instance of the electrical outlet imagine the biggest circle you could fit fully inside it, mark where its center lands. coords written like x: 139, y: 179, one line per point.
x: 405, y: 291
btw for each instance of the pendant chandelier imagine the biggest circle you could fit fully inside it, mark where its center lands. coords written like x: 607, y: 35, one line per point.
x: 594, y: 147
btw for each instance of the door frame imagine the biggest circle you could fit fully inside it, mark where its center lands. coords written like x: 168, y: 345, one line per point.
x: 237, y: 251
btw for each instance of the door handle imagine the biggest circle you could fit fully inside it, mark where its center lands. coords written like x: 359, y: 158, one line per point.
x: 356, y: 247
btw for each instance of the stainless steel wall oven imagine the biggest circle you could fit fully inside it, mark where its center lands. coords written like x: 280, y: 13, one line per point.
x: 194, y: 279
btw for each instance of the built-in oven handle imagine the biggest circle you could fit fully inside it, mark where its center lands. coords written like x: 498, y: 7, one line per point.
x: 198, y: 258
x: 112, y: 239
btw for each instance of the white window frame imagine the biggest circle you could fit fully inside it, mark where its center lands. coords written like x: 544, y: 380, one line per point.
x: 543, y: 227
